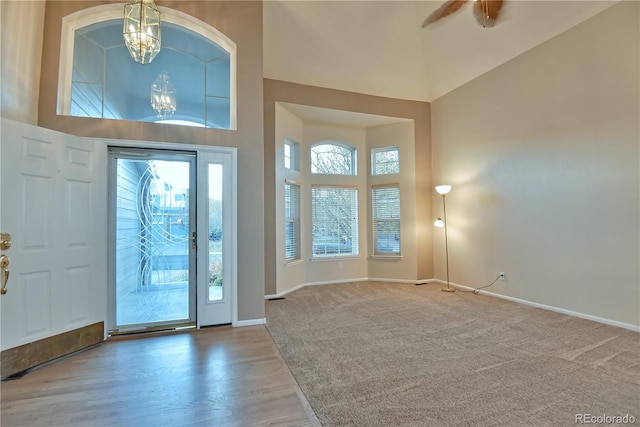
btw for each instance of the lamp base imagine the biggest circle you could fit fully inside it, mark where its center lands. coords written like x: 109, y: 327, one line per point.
x: 448, y: 290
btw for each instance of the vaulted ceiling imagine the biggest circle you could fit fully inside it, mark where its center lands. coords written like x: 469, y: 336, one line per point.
x: 380, y: 47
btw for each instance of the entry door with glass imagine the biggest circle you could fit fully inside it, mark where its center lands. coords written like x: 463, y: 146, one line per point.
x: 153, y: 235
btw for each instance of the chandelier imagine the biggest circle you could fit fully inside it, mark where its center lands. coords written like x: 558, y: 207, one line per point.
x: 163, y: 96
x: 141, y: 30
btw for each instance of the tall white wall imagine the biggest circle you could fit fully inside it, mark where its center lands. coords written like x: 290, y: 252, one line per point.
x: 543, y: 154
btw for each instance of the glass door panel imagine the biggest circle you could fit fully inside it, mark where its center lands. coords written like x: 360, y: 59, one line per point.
x: 154, y: 274
x: 215, y: 291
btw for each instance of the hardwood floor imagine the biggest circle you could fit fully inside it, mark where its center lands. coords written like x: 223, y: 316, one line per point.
x: 220, y: 376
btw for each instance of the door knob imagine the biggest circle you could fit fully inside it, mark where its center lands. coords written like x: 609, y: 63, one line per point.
x: 4, y: 275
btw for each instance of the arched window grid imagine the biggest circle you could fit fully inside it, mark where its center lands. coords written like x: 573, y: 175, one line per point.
x: 103, y: 13
x: 333, y: 158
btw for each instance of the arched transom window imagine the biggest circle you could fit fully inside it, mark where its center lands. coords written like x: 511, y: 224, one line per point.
x: 333, y: 158
x: 99, y: 79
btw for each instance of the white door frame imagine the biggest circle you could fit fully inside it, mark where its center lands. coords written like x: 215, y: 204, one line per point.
x: 231, y: 250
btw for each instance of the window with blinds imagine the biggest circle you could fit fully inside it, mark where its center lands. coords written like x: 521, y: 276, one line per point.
x: 334, y: 221
x: 385, y: 207
x: 292, y: 221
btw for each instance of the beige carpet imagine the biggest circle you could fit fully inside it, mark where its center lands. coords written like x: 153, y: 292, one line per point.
x: 383, y: 354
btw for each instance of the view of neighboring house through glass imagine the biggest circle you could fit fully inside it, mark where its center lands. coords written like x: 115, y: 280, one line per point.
x: 153, y: 211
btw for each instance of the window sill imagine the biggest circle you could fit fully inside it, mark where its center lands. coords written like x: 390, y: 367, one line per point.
x: 335, y: 258
x: 386, y: 257
x: 292, y: 263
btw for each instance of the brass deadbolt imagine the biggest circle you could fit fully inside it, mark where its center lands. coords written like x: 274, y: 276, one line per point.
x: 5, y: 241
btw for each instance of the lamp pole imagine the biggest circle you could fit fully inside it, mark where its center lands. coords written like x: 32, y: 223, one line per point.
x: 446, y: 243
x: 443, y: 190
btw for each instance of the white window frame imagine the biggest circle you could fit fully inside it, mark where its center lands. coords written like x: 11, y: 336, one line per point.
x: 376, y: 151
x: 333, y: 247
x: 382, y: 217
x: 293, y: 156
x: 292, y: 246
x: 354, y: 157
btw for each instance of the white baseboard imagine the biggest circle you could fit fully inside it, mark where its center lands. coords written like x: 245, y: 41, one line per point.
x: 283, y: 293
x: 334, y: 282
x: 302, y: 285
x: 250, y: 322
x: 410, y: 282
x: 606, y: 321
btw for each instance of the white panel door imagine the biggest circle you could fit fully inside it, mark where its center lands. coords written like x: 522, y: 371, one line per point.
x: 53, y: 203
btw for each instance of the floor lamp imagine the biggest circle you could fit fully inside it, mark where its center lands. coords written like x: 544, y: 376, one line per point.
x: 443, y: 190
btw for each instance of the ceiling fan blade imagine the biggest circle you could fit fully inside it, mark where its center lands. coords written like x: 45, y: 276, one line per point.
x: 445, y: 10
x: 487, y: 11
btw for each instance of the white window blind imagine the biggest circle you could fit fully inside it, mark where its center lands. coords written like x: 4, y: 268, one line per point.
x: 292, y: 221
x: 334, y: 221
x: 385, y: 206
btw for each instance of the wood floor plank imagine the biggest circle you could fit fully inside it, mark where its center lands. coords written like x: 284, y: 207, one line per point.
x: 211, y: 377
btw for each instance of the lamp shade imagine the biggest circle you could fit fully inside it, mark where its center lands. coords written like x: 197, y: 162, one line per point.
x: 439, y: 222
x: 141, y: 30
x: 443, y: 189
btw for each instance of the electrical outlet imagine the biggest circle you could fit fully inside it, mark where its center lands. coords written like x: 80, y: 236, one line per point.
x: 501, y: 275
